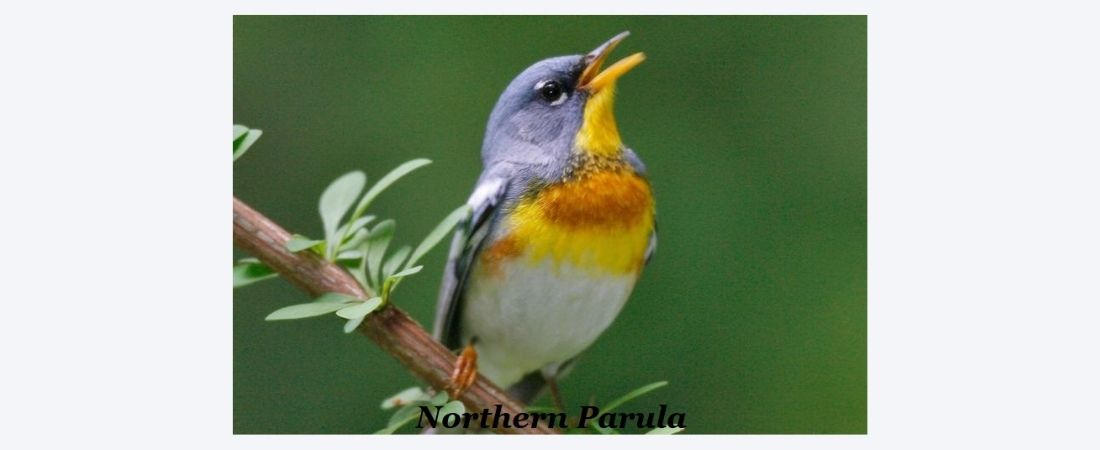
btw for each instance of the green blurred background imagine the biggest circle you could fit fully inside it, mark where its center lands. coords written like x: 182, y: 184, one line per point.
x: 754, y: 130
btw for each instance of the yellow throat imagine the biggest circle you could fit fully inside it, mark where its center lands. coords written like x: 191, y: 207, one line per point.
x: 599, y: 134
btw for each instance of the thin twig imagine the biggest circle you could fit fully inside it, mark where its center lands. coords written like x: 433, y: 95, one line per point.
x: 389, y: 327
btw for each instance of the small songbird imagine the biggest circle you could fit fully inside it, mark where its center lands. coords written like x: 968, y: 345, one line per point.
x: 562, y: 223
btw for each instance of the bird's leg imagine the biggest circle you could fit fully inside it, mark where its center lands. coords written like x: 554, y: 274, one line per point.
x: 552, y: 381
x: 465, y: 372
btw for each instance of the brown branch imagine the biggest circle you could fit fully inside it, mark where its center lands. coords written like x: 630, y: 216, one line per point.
x: 389, y: 327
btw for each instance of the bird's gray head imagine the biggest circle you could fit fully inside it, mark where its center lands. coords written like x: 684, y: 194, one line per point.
x: 539, y: 113
x: 556, y: 107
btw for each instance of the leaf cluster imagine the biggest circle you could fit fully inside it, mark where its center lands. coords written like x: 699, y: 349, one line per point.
x: 350, y: 241
x: 407, y: 405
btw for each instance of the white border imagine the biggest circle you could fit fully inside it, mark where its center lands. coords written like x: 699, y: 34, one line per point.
x: 983, y: 225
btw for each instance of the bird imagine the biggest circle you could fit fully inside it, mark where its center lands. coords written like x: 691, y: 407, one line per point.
x: 562, y: 221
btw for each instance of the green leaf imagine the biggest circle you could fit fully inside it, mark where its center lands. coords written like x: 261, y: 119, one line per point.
x: 353, y: 229
x: 238, y: 131
x: 386, y: 181
x: 360, y: 276
x: 336, y: 297
x: 407, y: 272
x: 305, y: 310
x: 633, y: 395
x: 383, y: 183
x: 353, y: 324
x: 246, y: 273
x: 666, y: 430
x: 350, y: 255
x: 405, y: 397
x: 393, y: 280
x: 360, y: 310
x: 243, y: 138
x: 355, y: 241
x: 379, y: 238
x: 438, y: 233
x: 358, y: 224
x: 402, y: 416
x: 395, y: 260
x: 335, y: 201
x: 453, y: 406
x: 298, y: 243
x: 439, y: 399
x: 353, y: 232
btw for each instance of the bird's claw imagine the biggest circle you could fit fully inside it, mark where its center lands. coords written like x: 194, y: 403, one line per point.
x: 465, y: 372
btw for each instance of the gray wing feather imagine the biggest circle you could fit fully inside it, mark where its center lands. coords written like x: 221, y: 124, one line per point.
x: 468, y: 239
x: 639, y: 167
x: 652, y: 248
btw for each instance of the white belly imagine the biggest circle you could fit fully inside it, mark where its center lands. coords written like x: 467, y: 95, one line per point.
x: 528, y: 317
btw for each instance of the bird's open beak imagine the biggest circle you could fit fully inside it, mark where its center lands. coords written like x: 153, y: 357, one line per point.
x: 592, y: 79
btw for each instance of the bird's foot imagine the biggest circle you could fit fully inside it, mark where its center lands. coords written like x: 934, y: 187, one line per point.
x: 465, y: 372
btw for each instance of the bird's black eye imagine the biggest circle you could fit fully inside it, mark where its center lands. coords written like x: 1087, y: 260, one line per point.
x: 551, y: 91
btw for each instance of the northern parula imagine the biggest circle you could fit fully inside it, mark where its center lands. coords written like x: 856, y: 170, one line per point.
x: 562, y: 223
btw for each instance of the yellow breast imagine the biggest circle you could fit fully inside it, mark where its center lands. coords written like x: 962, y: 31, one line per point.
x: 600, y: 222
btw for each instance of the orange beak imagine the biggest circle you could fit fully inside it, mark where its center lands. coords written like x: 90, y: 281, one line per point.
x: 592, y: 79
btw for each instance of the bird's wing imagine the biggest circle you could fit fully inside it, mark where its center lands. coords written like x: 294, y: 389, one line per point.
x: 652, y: 247
x: 639, y: 168
x: 468, y: 239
